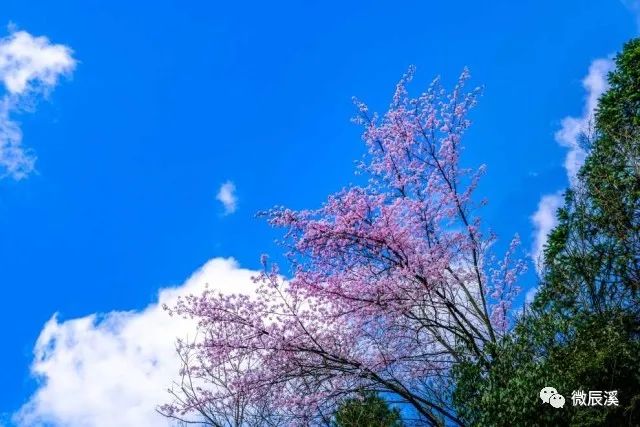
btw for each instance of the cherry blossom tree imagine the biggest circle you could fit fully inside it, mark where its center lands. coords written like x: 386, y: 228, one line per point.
x: 392, y: 284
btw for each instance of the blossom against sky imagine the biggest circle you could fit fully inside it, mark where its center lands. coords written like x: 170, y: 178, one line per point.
x: 148, y: 118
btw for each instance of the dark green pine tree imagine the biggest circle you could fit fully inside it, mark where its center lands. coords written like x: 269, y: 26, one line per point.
x: 582, y: 331
x: 367, y: 410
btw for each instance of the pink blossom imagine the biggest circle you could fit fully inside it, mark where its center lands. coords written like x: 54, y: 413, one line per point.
x: 392, y: 284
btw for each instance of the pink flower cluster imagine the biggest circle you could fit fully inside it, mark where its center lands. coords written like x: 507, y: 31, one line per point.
x: 392, y: 284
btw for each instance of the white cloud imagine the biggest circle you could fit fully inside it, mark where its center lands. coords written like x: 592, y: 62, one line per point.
x: 28, y: 63
x: 531, y: 294
x: 573, y: 128
x: 569, y: 135
x: 113, y: 370
x: 544, y: 220
x: 227, y: 196
x: 29, y: 66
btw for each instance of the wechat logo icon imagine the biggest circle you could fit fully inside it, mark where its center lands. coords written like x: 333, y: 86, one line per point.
x: 551, y: 396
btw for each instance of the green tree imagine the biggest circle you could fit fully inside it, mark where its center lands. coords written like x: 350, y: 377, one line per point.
x: 582, y: 331
x: 367, y: 410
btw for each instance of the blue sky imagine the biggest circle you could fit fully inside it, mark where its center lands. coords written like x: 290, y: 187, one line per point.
x: 169, y: 100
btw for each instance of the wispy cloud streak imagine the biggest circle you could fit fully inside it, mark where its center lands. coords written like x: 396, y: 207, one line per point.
x: 29, y: 67
x: 227, y: 196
